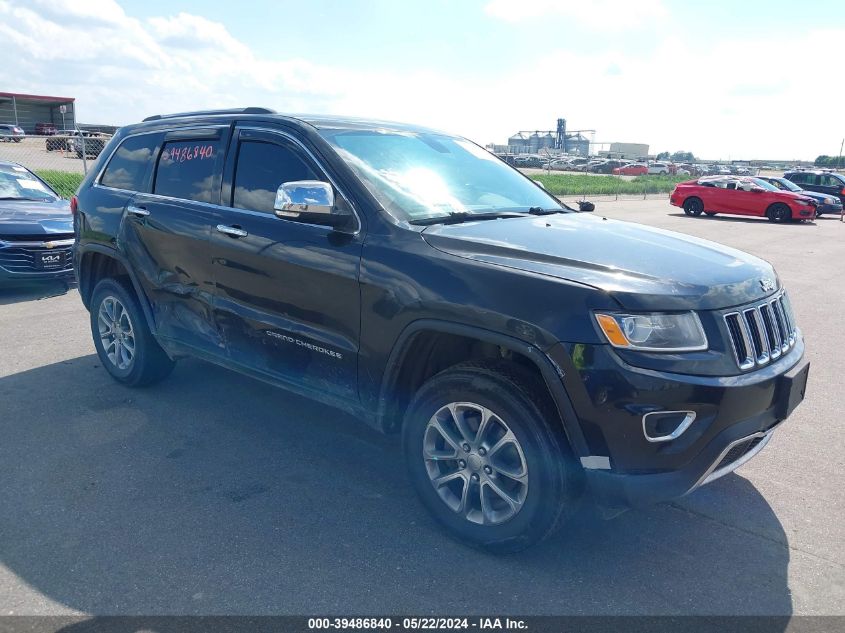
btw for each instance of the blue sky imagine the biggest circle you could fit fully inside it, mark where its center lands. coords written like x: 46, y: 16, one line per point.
x: 722, y: 79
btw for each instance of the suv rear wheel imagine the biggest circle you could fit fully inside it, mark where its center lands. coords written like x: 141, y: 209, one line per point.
x: 124, y: 343
x: 483, y: 458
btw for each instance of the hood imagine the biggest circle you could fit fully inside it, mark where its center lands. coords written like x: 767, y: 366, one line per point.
x: 22, y: 218
x: 815, y: 195
x: 798, y: 195
x: 643, y: 268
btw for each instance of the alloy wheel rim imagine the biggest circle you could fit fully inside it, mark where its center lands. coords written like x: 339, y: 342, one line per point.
x: 116, y: 333
x: 475, y: 463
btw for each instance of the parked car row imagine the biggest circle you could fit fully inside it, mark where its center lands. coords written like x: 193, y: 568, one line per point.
x: 822, y: 181
x: 75, y: 140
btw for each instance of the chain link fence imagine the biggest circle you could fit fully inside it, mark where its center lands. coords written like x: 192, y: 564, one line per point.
x: 61, y: 160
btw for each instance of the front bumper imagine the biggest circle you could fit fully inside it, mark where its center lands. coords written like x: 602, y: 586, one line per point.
x: 735, y: 417
x: 829, y: 208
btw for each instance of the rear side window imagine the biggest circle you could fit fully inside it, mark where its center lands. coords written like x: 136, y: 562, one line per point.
x: 260, y: 169
x: 127, y: 168
x: 186, y: 169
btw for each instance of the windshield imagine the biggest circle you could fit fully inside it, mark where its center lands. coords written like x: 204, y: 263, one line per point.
x: 765, y: 185
x: 16, y: 183
x: 417, y: 175
x: 787, y: 184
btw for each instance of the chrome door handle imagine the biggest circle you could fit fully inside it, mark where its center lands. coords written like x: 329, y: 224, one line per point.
x: 231, y: 231
x: 141, y: 212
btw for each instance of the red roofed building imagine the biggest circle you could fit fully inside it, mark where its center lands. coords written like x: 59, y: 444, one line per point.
x: 26, y: 110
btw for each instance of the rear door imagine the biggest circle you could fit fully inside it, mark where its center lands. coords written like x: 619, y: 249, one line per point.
x: 807, y: 181
x: 287, y: 300
x: 166, y: 235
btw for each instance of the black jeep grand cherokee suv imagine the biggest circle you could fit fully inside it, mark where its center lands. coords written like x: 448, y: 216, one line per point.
x: 524, y: 352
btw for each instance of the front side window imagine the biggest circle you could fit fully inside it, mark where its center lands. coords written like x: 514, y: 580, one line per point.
x: 416, y: 175
x: 186, y: 169
x: 261, y: 168
x: 127, y: 168
x: 829, y: 180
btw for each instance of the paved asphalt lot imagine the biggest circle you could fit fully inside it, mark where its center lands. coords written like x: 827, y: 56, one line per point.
x: 212, y: 493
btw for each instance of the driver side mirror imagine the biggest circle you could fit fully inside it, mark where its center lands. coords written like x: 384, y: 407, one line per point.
x: 585, y: 206
x: 311, y: 201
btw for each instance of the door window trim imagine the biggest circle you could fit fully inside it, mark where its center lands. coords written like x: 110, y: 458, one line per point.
x: 236, y: 128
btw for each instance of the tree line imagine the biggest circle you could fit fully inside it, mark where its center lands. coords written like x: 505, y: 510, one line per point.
x: 677, y: 157
x: 829, y: 161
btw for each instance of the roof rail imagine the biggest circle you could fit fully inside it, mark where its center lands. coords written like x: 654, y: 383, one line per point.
x: 249, y: 110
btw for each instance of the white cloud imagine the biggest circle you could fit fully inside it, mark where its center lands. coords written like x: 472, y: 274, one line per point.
x: 712, y: 97
x: 604, y: 15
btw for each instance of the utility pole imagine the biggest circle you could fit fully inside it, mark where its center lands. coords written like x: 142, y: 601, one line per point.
x: 838, y: 158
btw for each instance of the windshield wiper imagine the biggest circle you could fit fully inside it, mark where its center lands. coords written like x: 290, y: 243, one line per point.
x: 24, y: 199
x: 542, y: 211
x: 456, y: 217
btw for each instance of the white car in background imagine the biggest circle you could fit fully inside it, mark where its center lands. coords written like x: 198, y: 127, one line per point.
x: 659, y: 168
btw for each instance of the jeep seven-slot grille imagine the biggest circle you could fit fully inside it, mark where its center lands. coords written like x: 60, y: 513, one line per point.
x: 762, y: 332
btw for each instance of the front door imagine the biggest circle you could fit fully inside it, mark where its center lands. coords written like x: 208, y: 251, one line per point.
x: 287, y: 296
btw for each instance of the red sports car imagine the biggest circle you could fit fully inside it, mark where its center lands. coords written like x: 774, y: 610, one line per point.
x: 741, y: 196
x: 634, y: 169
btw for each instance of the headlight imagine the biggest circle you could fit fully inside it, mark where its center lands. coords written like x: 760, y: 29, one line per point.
x: 654, y: 332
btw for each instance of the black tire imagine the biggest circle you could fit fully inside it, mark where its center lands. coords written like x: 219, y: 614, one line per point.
x: 693, y: 206
x: 553, y: 481
x: 149, y: 363
x: 779, y: 212
x: 710, y: 213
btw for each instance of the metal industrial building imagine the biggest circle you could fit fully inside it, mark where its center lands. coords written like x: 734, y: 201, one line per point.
x: 626, y: 150
x: 26, y: 110
x: 568, y: 142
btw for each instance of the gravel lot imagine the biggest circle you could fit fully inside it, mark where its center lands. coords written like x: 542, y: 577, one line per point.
x: 32, y: 153
x: 215, y: 494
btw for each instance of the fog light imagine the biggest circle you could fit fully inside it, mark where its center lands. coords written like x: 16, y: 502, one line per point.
x: 664, y: 426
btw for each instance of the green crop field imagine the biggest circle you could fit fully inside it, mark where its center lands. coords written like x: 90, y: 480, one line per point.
x: 587, y: 185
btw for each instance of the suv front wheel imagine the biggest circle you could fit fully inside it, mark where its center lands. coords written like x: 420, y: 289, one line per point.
x: 124, y: 343
x: 484, y: 459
